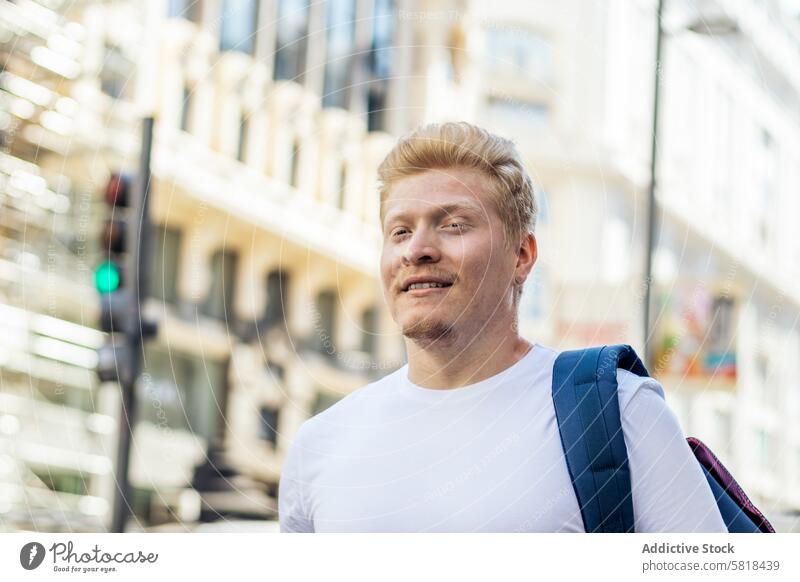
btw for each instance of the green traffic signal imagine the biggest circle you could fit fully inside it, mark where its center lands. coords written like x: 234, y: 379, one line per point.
x: 106, y: 277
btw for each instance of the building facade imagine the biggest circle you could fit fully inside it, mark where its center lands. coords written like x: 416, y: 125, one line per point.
x: 272, y: 117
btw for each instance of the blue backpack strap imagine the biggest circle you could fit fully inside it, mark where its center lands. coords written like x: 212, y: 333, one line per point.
x: 587, y: 410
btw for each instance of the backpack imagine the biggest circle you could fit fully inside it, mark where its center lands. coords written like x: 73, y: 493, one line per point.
x: 587, y: 410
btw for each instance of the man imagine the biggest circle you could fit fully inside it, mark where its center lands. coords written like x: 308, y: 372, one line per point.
x: 464, y: 437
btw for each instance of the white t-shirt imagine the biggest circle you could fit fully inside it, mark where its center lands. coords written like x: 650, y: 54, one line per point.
x: 487, y: 457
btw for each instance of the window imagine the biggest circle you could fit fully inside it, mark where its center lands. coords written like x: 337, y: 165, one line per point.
x: 186, y: 108
x: 324, y: 320
x: 340, y: 28
x: 380, y: 56
x: 142, y: 503
x: 719, y: 347
x: 180, y: 391
x: 221, y: 292
x: 275, y: 372
x: 206, y: 403
x: 165, y: 264
x: 116, y: 74
x: 277, y: 297
x: 380, y: 64
x: 290, y: 52
x: 238, y: 26
x: 269, y: 424
x: 369, y: 330
x: 376, y: 108
x: 244, y: 128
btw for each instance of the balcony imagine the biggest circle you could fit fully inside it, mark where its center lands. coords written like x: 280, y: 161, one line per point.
x: 254, y: 198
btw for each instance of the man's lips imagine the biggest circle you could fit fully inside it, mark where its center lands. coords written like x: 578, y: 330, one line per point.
x: 426, y: 281
x: 428, y: 291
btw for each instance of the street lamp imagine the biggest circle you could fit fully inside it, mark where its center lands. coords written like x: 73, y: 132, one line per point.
x: 717, y: 25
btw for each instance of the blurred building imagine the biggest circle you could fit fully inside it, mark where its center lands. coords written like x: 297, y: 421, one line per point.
x: 272, y: 116
x: 55, y: 433
x: 266, y: 250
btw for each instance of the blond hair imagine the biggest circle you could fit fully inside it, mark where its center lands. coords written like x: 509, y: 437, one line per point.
x: 463, y: 145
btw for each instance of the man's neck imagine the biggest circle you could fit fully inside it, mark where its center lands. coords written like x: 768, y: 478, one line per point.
x: 459, y: 362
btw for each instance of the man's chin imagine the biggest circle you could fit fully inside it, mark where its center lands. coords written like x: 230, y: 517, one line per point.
x: 428, y: 330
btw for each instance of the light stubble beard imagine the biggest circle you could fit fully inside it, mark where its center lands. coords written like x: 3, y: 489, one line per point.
x: 429, y: 331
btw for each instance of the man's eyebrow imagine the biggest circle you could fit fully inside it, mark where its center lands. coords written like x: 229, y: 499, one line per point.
x: 440, y: 209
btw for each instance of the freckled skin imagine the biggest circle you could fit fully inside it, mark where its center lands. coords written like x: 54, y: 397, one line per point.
x: 444, y: 223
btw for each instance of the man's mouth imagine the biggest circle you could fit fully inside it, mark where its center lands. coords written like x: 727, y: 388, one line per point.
x: 414, y: 286
x: 424, y: 285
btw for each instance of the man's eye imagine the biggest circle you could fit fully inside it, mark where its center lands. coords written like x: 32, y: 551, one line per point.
x: 399, y: 232
x: 456, y: 226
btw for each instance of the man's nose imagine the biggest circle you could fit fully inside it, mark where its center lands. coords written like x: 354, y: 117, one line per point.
x: 421, y: 248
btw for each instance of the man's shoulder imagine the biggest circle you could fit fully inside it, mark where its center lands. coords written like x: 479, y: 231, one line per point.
x: 628, y: 383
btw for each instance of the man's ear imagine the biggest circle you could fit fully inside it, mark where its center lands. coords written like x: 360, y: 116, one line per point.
x: 527, y: 254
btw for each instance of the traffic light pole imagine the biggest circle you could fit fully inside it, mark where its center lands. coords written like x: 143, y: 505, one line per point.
x: 136, y: 329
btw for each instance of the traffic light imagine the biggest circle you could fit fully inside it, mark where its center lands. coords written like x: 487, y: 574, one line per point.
x: 116, y: 307
x: 109, y: 274
x: 116, y: 279
x: 120, y: 280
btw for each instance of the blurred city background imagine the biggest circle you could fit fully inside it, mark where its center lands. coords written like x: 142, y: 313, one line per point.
x: 271, y: 117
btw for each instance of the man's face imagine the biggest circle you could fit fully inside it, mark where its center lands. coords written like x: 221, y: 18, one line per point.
x: 445, y: 265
